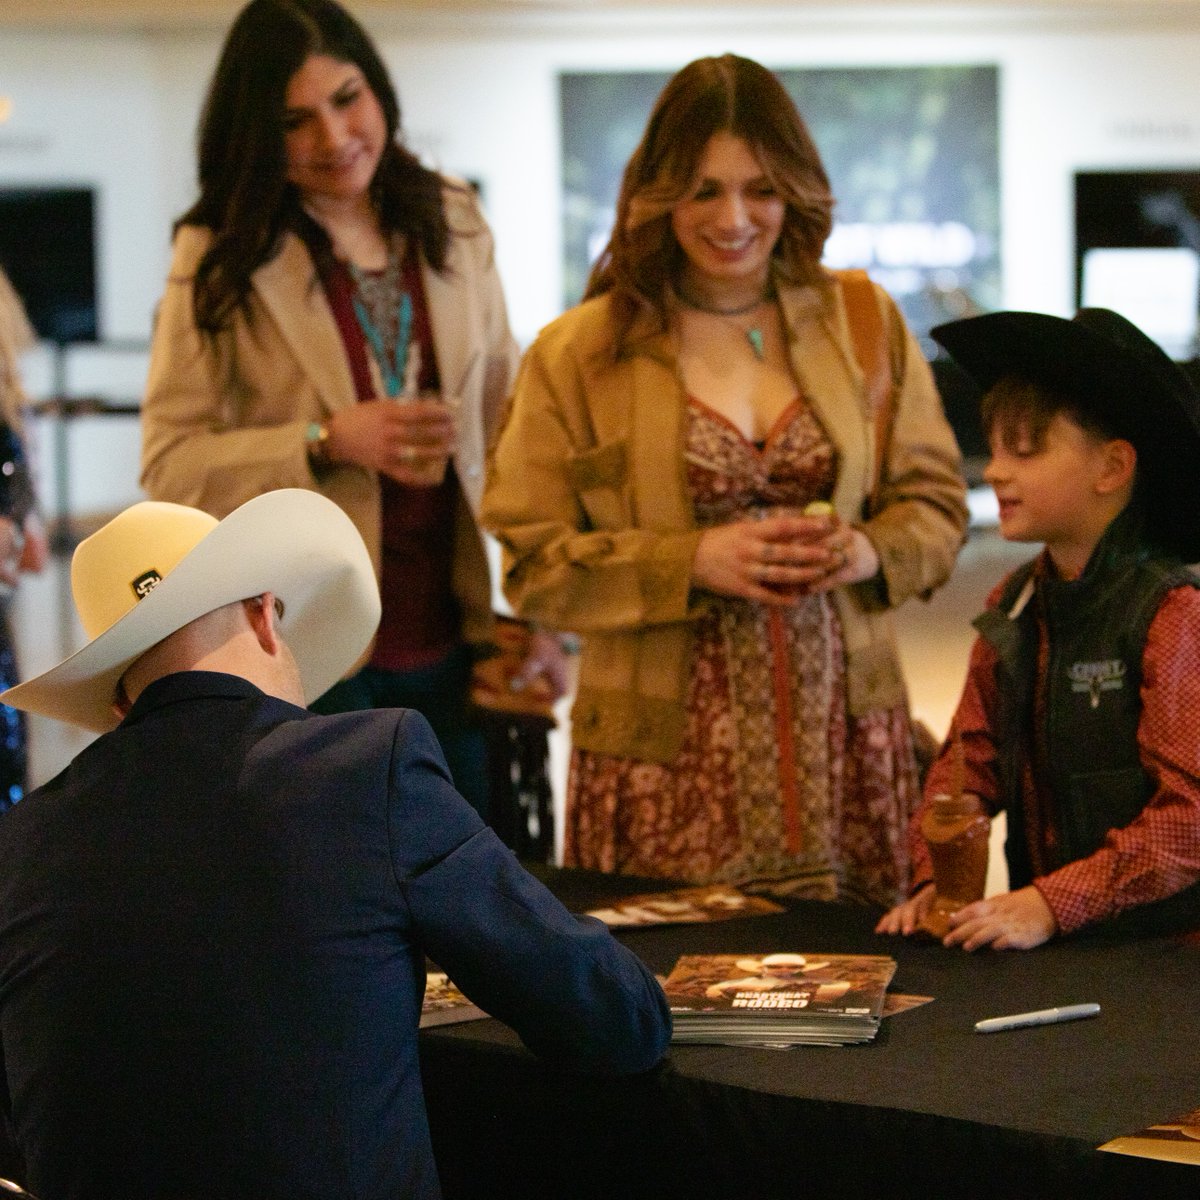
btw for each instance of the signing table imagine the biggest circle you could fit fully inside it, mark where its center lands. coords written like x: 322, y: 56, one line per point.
x: 929, y: 1109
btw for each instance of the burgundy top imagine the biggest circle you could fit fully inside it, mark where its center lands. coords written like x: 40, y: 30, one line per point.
x: 421, y: 618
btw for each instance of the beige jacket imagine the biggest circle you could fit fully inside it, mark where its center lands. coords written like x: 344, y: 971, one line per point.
x: 224, y: 418
x: 587, y: 493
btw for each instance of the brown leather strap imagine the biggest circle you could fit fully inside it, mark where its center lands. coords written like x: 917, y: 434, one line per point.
x: 871, y: 350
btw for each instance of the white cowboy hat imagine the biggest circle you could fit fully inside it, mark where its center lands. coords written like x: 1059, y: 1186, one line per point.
x: 156, y: 567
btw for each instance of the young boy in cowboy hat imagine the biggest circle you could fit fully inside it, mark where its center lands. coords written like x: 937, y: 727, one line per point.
x: 214, y: 922
x: 1080, y: 718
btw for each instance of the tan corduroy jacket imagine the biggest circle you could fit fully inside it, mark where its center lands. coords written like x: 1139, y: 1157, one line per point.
x: 224, y: 417
x: 587, y: 493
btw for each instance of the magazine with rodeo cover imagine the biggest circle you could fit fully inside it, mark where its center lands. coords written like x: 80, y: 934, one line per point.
x: 778, y: 999
x: 444, y: 1004
x: 684, y: 906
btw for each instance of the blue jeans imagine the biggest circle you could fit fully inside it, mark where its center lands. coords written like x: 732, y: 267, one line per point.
x: 440, y: 694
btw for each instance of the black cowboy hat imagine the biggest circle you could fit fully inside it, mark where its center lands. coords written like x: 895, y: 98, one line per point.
x: 1113, y: 372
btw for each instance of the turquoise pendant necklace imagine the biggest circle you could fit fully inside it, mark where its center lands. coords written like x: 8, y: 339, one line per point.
x: 753, y: 334
x: 384, y: 312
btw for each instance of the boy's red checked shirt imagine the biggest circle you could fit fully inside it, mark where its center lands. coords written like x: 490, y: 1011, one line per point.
x: 1156, y: 854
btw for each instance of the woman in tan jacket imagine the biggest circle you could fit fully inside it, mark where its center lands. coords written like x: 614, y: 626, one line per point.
x: 334, y: 320
x: 741, y: 714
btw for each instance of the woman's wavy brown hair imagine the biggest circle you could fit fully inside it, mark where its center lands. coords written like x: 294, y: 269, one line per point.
x: 728, y: 94
x: 245, y: 198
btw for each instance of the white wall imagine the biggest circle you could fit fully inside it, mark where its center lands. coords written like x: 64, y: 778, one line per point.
x: 1070, y: 99
x: 118, y: 110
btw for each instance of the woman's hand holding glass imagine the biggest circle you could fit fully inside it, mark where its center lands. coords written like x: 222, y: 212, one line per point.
x: 35, y: 549
x: 12, y: 543
x: 545, y: 668
x: 410, y: 441
x: 782, y: 557
x: 857, y: 559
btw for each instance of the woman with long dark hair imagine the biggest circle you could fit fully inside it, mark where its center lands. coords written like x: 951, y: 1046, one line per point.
x: 741, y: 714
x: 334, y: 320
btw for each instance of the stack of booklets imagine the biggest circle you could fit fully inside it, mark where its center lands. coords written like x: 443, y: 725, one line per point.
x: 778, y: 1000
x: 685, y: 906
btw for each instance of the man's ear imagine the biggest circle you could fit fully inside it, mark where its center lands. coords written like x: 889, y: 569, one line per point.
x: 263, y: 613
x: 1119, y: 467
x: 120, y: 701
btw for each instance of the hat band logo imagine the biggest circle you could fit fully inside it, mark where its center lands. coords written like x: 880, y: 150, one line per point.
x: 145, y: 583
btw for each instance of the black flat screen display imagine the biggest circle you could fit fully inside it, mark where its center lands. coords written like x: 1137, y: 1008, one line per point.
x: 48, y: 250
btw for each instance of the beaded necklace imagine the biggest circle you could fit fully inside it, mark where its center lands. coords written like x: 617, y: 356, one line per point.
x: 385, y: 314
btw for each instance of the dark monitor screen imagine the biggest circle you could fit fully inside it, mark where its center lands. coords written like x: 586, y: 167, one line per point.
x: 48, y: 251
x: 1137, y: 250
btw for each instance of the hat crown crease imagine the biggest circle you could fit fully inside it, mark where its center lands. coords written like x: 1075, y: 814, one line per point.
x: 118, y: 565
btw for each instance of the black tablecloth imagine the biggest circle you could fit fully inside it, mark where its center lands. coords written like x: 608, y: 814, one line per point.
x: 929, y: 1109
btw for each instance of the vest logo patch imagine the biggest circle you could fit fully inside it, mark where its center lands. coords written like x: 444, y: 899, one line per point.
x: 145, y: 583
x: 1093, y: 678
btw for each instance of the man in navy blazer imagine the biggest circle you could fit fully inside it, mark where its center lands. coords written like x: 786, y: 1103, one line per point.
x: 214, y: 922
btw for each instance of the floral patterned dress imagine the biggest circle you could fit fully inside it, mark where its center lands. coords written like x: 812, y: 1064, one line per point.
x: 775, y: 787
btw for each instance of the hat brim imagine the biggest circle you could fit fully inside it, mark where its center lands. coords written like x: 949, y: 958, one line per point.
x: 292, y: 542
x: 1094, y: 359
x: 1115, y: 374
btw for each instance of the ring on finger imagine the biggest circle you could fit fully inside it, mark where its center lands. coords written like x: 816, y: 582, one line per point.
x: 407, y: 454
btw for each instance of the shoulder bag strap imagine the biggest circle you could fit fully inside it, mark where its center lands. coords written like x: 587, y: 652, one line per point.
x: 871, y: 351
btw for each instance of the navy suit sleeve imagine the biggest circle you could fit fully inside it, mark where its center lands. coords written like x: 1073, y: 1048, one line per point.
x: 571, y: 991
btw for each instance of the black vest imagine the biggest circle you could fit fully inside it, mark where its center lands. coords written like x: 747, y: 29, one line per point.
x: 1097, y: 626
